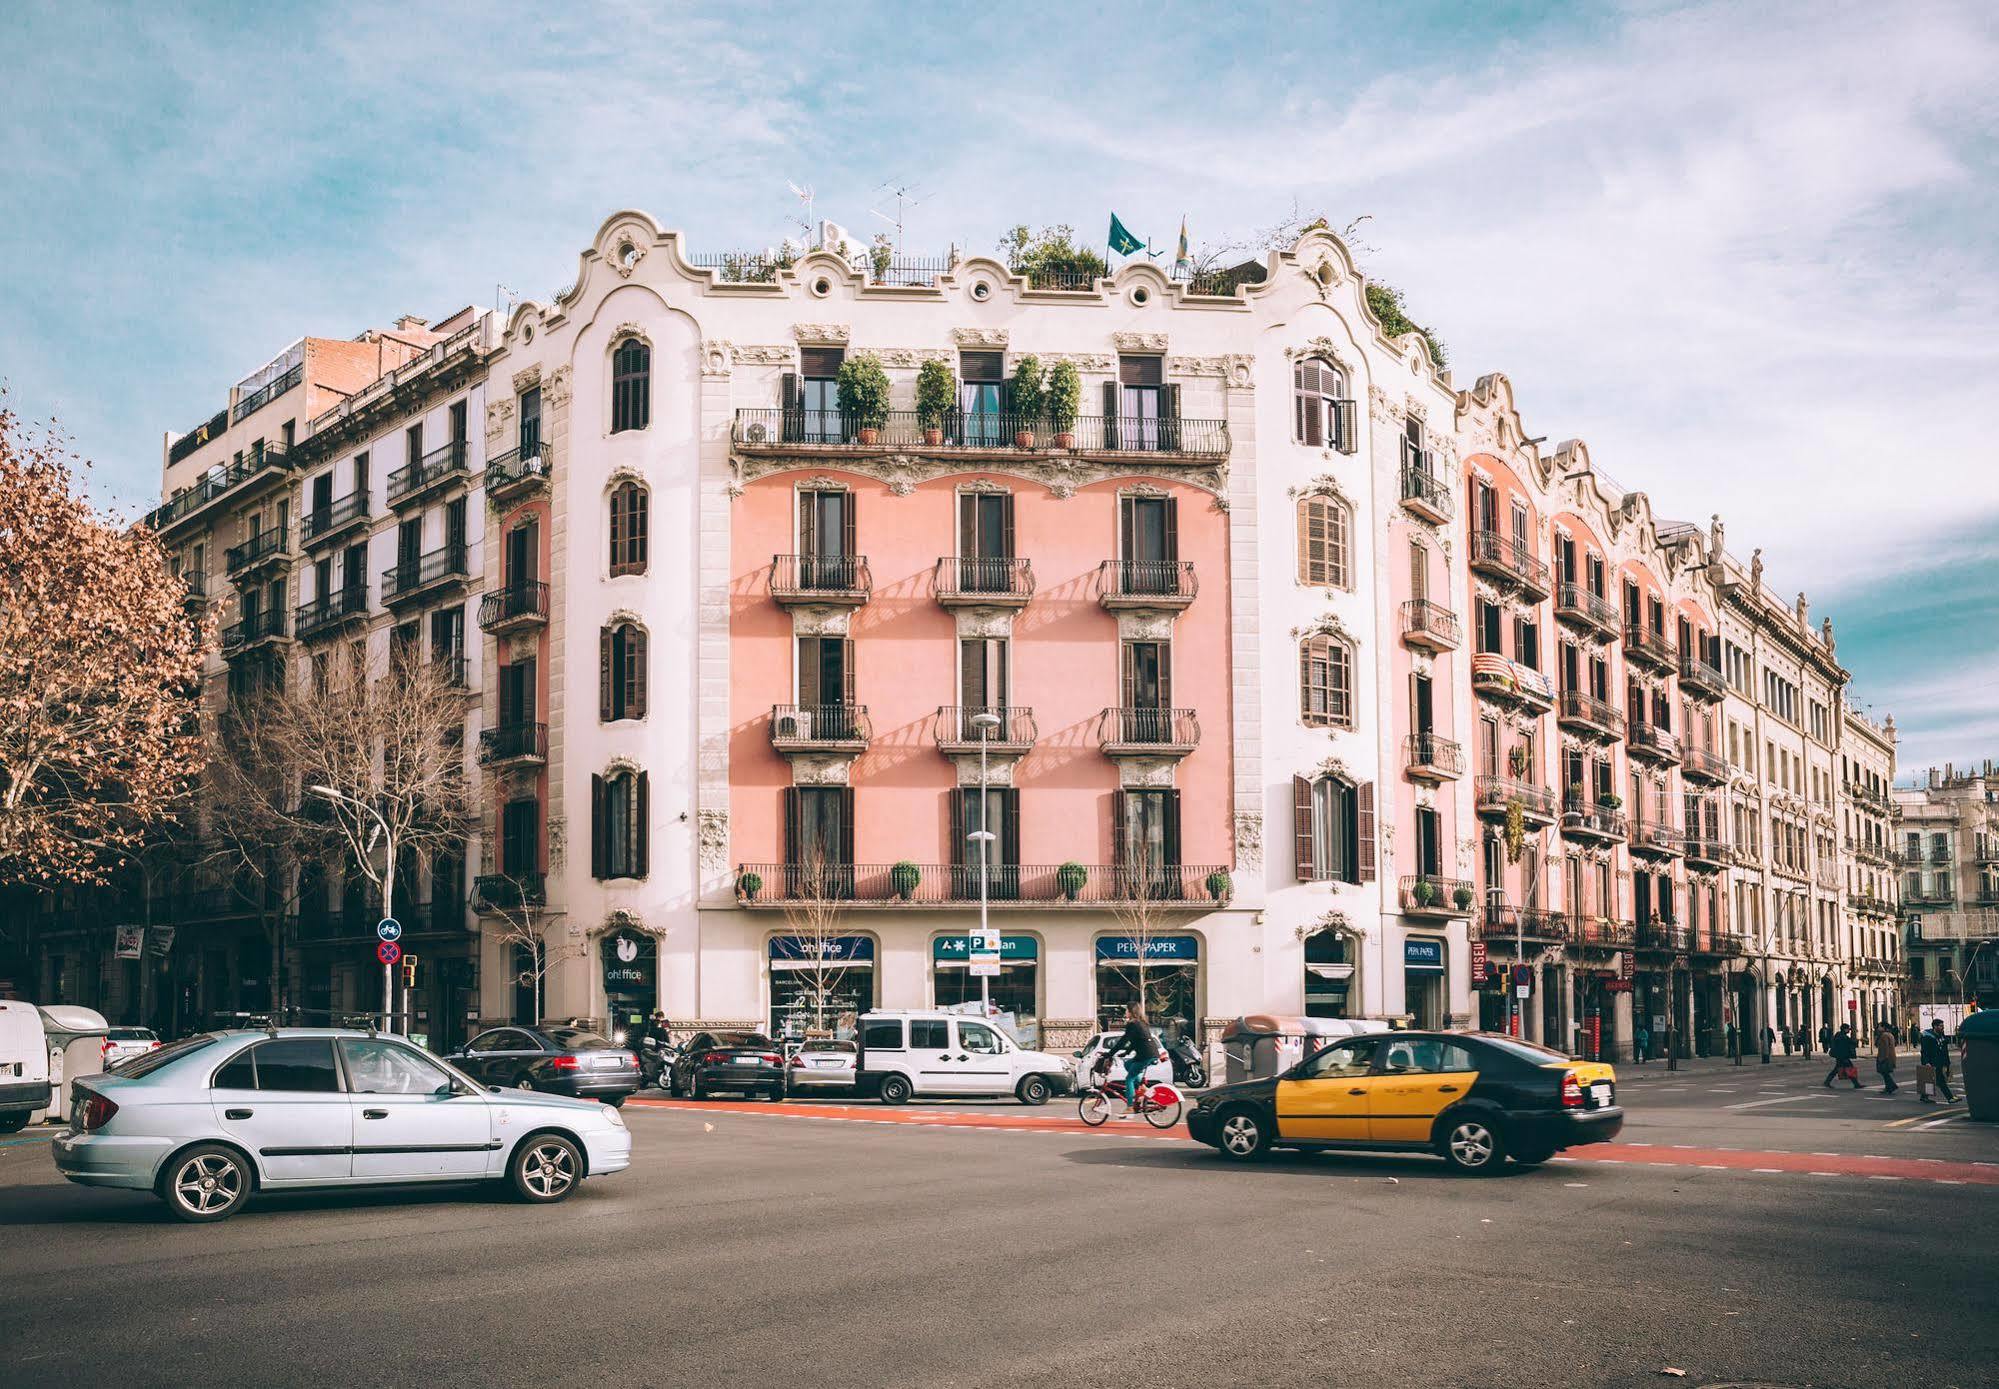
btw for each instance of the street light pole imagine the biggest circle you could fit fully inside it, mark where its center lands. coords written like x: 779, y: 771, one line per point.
x: 388, y: 892
x: 985, y: 721
x: 1495, y: 896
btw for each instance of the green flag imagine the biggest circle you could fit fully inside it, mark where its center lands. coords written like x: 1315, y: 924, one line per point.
x: 1122, y: 241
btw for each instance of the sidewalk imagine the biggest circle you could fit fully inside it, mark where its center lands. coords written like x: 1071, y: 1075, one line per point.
x: 1712, y: 1067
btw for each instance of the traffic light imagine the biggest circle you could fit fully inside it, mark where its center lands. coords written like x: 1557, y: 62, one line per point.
x: 409, y: 971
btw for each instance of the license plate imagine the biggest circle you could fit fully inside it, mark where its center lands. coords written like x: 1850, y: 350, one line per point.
x: 826, y: 1064
x: 1602, y: 1094
x: 747, y: 1061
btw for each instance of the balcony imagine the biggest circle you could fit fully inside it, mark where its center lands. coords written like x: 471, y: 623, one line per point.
x: 1432, y: 897
x: 1708, y: 852
x: 1586, y: 714
x: 1650, y: 743
x: 1601, y: 933
x: 1496, y: 795
x: 323, y: 525
x: 958, y: 434
x: 519, y: 472
x: 1939, y: 895
x: 331, y: 612
x: 1866, y: 904
x: 1128, y: 732
x: 1698, y: 764
x: 1714, y: 942
x: 509, y: 891
x: 1655, y: 840
x: 513, y: 608
x: 412, y: 482
x: 959, y: 732
x: 250, y: 403
x: 1497, y: 677
x: 1593, y: 613
x: 194, y: 586
x: 1426, y: 495
x: 1505, y: 559
x: 1664, y: 936
x: 1433, y: 758
x: 782, y: 886
x: 424, y: 575
x: 253, y: 631
x: 1500, y: 922
x: 1131, y: 585
x: 981, y: 581
x: 202, y: 433
x: 821, y: 581
x: 264, y: 550
x: 820, y: 728
x: 1652, y: 650
x: 1592, y: 821
x: 234, y: 479
x: 1701, y: 680
x: 1431, y: 627
x: 514, y: 745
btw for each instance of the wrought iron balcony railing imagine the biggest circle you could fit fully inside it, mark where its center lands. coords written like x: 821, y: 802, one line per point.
x: 1496, y: 795
x: 821, y: 579
x: 406, y: 580
x: 983, y: 581
x: 513, y: 742
x: 1582, y: 711
x: 1428, y: 894
x: 330, y: 611
x: 414, y: 480
x: 1649, y: 648
x: 778, y: 886
x: 519, y: 470
x: 324, y: 522
x: 908, y: 431
x: 1146, y: 583
x: 1140, y: 732
x: 514, y: 605
x: 1430, y: 626
x: 264, y: 545
x: 1501, y: 556
x: 1432, y: 757
x: 964, y: 728
x: 1426, y: 494
x: 1575, y: 604
x: 819, y: 727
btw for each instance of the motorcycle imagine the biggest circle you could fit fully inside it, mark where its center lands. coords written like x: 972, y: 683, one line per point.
x: 1188, y: 1067
x: 656, y: 1058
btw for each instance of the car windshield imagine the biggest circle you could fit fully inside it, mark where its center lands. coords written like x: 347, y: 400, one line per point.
x: 755, y: 1040
x: 846, y: 1048
x: 151, y: 1061
x: 1532, y: 1053
x: 129, y: 1034
x: 576, y: 1039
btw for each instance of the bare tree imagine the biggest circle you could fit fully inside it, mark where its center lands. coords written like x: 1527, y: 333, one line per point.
x: 534, y: 941
x: 814, y: 919
x: 1146, y: 890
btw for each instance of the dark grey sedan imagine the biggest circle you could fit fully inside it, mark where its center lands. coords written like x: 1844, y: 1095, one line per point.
x: 559, y: 1060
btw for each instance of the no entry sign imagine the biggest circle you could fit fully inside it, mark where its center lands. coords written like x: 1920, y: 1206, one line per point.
x: 388, y: 952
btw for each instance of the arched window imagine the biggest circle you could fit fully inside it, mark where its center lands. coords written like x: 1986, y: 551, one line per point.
x: 619, y: 810
x: 1329, y: 975
x: 629, y: 505
x: 1324, y: 415
x: 1325, y: 542
x: 1332, y: 825
x: 631, y: 386
x: 621, y: 686
x: 1325, y: 683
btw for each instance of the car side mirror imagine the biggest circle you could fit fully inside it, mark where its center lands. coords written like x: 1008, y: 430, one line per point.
x: 1077, y: 1054
x: 494, y: 1089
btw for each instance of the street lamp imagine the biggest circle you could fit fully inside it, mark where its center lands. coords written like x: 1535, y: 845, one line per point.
x: 985, y: 721
x: 1515, y: 1021
x: 388, y: 891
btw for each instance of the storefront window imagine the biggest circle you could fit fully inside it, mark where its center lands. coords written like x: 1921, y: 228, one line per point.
x: 819, y: 985
x: 1165, y: 982
x: 1423, y: 972
x: 631, y: 979
x: 1014, y: 991
x: 1328, y: 976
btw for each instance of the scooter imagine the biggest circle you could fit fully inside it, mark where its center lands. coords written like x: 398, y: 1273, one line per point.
x: 1188, y: 1068
x: 656, y: 1058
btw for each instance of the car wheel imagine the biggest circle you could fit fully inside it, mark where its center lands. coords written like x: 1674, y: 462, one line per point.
x: 617, y: 1101
x: 545, y: 1168
x: 1472, y: 1145
x: 14, y: 1123
x: 1197, y: 1076
x: 1532, y: 1157
x: 207, y: 1182
x: 775, y: 1094
x: 670, y: 1082
x: 1241, y: 1135
x: 1033, y: 1090
x: 523, y: 1081
x: 694, y: 1091
x: 895, y: 1089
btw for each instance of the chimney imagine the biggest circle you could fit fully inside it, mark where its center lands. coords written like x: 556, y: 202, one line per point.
x: 410, y: 323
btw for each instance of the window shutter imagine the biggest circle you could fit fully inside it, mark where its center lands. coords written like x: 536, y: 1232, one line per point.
x: 1165, y: 675
x: 1128, y: 689
x: 1006, y: 526
x: 972, y: 692
x: 597, y: 818
x: 1310, y: 430
x: 846, y: 824
x: 1302, y: 855
x: 641, y: 523
x: 1009, y: 843
x: 847, y: 670
x: 1127, y: 529
x: 793, y: 830
x: 1172, y: 801
x: 1308, y: 552
x: 1364, y: 803
x: 1172, y: 530
x: 604, y: 701
x: 642, y: 826
x: 1110, y: 414
x: 791, y: 421
x: 1119, y: 845
x: 968, y: 523
x: 960, y: 851
x: 635, y: 672
x: 808, y: 671
x: 808, y: 523
x: 849, y: 503
x: 1345, y: 435
x: 1306, y: 652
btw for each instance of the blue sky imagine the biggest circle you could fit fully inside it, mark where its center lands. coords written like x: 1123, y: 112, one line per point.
x: 1744, y: 250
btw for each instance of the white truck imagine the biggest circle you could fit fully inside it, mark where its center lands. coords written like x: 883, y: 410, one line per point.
x: 932, y: 1054
x: 24, y: 1065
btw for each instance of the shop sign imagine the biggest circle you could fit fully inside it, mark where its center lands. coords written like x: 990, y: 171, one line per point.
x: 1158, y: 949
x: 1423, y: 955
x: 846, y: 950
x: 163, y: 940
x: 131, y: 942
x: 1478, y: 962
x: 958, y: 949
x: 1617, y: 986
x: 627, y: 961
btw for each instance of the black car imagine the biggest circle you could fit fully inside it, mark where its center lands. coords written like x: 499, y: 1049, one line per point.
x: 1473, y: 1098
x: 560, y: 1060
x: 747, y: 1063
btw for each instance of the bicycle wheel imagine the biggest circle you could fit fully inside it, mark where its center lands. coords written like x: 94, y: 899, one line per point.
x: 1093, y: 1109
x: 1163, y: 1116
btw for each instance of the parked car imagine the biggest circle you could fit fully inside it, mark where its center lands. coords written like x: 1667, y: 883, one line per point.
x: 24, y: 1065
x: 1158, y: 1073
x: 1473, y: 1098
x: 124, y: 1043
x: 561, y: 1060
x: 823, y: 1065
x: 209, y: 1120
x: 747, y: 1063
x: 904, y: 1055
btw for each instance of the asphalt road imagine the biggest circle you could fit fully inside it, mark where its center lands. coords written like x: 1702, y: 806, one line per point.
x: 764, y: 1247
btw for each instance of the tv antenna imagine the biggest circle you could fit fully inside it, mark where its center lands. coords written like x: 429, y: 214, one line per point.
x: 804, y: 224
x: 903, y: 202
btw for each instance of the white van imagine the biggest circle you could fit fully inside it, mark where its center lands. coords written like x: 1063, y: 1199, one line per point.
x: 944, y: 1055
x: 24, y: 1065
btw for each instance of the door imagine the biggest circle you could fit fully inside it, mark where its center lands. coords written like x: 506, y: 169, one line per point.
x: 1418, y: 1079
x: 1326, y: 1099
x: 409, y: 1119
x: 522, y: 554
x: 1151, y: 545
x: 1148, y: 693
x: 496, y: 1057
x: 934, y: 1063
x: 322, y: 501
x: 982, y: 671
x: 986, y: 1066
x: 283, y: 1101
x: 981, y: 397
x: 1426, y: 707
x: 530, y: 427
x: 826, y: 540
x: 985, y: 542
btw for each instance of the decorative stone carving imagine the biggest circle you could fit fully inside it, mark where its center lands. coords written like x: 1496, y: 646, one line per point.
x: 979, y: 337
x: 822, y: 334
x: 1333, y: 767
x: 716, y: 359
x: 1082, y: 361
x: 1321, y: 347
x: 622, y: 617
x: 1248, y: 839
x: 913, y: 356
x: 1060, y: 474
x: 1137, y: 773
x: 556, y: 392
x: 1139, y: 342
x: 1415, y: 408
x: 1138, y: 625
x: 1142, y: 488
x: 526, y: 377
x: 498, y: 412
x: 1327, y: 625
x: 999, y: 769
x: 621, y: 764
x: 984, y: 622
x: 821, y: 769
x: 1224, y: 366
x: 1324, y: 485
x: 813, y: 621
x: 714, y: 841
x: 628, y: 248
x: 775, y: 354
x: 1379, y: 407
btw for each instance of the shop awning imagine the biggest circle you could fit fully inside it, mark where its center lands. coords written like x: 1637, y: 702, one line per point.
x: 1158, y: 949
x: 1423, y: 955
x: 805, y: 952
x: 956, y: 950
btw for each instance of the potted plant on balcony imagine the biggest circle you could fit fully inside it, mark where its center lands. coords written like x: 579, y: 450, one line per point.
x: 1424, y: 894
x: 936, y: 397
x: 1065, y: 398
x: 1030, y: 398
x: 1516, y: 760
x: 1219, y: 885
x: 1576, y: 792
x: 903, y: 878
x: 863, y: 390
x: 1070, y: 878
x: 1610, y: 800
x: 749, y: 884
x: 1462, y: 897
x: 881, y: 257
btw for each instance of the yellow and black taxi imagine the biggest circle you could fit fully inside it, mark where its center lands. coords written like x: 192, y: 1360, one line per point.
x: 1474, y: 1098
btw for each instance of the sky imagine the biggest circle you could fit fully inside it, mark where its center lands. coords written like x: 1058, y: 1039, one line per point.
x: 1744, y: 250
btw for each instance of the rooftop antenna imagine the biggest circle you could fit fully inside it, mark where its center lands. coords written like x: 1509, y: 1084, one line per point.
x: 504, y: 298
x: 805, y: 223
x: 903, y: 202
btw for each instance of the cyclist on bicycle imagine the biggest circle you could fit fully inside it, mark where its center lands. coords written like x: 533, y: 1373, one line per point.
x: 1143, y: 1048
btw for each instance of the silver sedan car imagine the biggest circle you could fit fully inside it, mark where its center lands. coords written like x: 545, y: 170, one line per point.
x: 205, y: 1122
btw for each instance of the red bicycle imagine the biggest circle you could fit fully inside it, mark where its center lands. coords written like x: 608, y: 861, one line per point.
x: 1159, y: 1102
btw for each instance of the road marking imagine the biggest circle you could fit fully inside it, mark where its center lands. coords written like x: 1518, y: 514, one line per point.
x: 1947, y: 1119
x: 1766, y: 1169
x: 1758, y: 1104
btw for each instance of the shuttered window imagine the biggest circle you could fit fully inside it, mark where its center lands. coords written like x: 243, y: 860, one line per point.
x: 630, y: 505
x: 619, y: 809
x: 1325, y: 542
x: 621, y: 653
x: 1332, y: 829
x: 1325, y: 679
x: 631, y: 386
x: 1323, y: 414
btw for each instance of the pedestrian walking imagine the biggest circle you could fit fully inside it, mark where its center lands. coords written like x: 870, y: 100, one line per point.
x: 1825, y: 1037
x: 1769, y: 1039
x: 1842, y: 1047
x: 1643, y: 1037
x: 1884, y: 1057
x: 1789, y: 1037
x: 1933, y: 1064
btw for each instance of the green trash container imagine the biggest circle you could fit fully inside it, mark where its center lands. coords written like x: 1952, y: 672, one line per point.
x: 1980, y: 1035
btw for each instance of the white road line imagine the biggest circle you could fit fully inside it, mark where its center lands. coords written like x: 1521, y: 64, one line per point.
x: 1778, y: 1170
x: 1758, y: 1104
x: 1882, y: 1177
x: 1947, y: 1119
